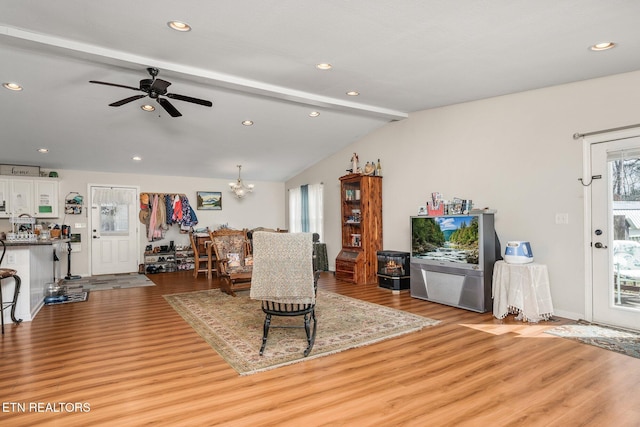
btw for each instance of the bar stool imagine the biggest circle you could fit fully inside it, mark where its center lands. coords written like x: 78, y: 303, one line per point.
x: 6, y: 273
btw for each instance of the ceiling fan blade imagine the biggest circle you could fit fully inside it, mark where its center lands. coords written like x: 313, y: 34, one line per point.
x: 160, y: 85
x: 169, y: 107
x: 190, y: 99
x: 126, y: 100
x: 114, y: 84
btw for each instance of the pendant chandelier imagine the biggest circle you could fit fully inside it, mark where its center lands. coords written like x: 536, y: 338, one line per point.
x: 239, y: 188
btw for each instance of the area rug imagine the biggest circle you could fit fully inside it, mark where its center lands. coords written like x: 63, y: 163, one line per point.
x: 106, y: 281
x: 233, y: 327
x: 72, y: 297
x: 618, y: 340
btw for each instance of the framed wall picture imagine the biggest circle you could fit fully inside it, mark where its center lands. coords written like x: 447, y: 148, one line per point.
x: 209, y: 200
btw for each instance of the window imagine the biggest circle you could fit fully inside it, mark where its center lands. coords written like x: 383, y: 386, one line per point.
x: 114, y: 204
x: 306, y: 209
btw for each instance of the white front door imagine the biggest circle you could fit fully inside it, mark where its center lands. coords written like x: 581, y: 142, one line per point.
x: 114, y: 230
x: 615, y: 232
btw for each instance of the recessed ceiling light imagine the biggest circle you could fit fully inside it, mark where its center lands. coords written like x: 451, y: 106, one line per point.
x: 43, y: 150
x: 147, y: 107
x: 12, y: 86
x: 602, y: 46
x: 314, y: 114
x: 179, y: 26
x: 353, y: 93
x: 136, y: 158
x: 247, y: 122
x: 324, y: 66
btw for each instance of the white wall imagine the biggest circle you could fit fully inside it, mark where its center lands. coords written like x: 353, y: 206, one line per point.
x: 262, y: 208
x: 514, y: 153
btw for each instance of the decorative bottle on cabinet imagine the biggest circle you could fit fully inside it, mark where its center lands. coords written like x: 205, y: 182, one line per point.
x: 361, y: 197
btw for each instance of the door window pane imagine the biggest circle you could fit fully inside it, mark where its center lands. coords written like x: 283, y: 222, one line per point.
x: 624, y: 169
x: 114, y: 219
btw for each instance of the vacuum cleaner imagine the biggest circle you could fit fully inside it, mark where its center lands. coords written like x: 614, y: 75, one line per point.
x: 70, y: 276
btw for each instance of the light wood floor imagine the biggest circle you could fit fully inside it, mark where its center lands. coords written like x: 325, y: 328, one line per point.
x: 132, y: 361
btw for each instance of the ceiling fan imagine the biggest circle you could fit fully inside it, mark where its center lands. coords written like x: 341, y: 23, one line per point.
x: 154, y: 88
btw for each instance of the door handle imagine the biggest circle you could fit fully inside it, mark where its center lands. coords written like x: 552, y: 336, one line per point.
x: 600, y: 245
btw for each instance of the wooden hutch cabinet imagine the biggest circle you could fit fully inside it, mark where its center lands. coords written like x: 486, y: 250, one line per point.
x: 361, y: 197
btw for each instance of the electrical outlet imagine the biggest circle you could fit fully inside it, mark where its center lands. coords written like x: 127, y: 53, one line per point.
x: 562, y: 218
x: 80, y: 225
x: 11, y: 258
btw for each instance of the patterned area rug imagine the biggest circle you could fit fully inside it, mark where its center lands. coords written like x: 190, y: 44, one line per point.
x: 618, y: 340
x: 233, y: 327
x: 106, y: 281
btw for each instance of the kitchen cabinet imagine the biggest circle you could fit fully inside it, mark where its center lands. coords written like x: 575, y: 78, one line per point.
x: 45, y: 198
x: 36, y: 266
x: 38, y: 198
x: 4, y: 198
x: 21, y: 197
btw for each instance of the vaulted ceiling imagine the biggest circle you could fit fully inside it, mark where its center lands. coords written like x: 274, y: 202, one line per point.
x: 256, y: 60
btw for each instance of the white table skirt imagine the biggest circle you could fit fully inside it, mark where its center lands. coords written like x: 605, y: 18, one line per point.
x: 521, y: 289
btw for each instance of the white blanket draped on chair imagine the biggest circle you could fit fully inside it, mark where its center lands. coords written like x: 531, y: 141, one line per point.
x: 283, y: 268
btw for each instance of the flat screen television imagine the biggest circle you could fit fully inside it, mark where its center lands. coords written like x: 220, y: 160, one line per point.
x: 448, y: 240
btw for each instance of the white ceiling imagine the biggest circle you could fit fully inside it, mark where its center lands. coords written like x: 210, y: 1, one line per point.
x: 255, y: 59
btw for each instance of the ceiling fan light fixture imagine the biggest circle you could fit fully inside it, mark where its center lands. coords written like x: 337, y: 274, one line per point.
x: 12, y: 86
x: 239, y: 188
x: 602, y: 46
x: 179, y: 26
x: 147, y: 107
x: 155, y: 88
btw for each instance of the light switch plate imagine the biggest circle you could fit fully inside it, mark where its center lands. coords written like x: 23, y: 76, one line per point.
x: 562, y: 218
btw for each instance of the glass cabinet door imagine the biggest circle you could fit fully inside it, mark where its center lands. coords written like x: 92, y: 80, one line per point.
x: 352, y: 215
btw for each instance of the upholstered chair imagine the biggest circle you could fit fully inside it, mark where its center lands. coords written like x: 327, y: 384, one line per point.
x: 234, y: 263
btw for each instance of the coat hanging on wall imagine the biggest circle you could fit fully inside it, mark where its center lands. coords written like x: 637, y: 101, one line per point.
x: 159, y: 211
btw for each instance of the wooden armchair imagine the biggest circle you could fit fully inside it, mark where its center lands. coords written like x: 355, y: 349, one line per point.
x: 202, y: 254
x: 233, y: 259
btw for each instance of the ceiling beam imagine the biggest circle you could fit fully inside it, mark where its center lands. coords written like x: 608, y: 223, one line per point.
x: 221, y: 80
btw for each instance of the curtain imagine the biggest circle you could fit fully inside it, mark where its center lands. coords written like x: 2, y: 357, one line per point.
x: 295, y: 210
x: 316, y: 209
x: 304, y: 208
x: 110, y: 195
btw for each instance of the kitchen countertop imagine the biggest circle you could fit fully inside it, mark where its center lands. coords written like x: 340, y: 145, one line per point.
x: 10, y: 243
